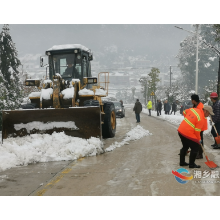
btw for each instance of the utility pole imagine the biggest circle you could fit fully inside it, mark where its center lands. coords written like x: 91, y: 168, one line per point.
x: 170, y: 77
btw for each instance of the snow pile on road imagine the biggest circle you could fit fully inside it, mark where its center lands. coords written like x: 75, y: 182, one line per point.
x: 44, y: 148
x: 68, y: 93
x: 45, y: 93
x: 135, y: 134
x: 86, y: 92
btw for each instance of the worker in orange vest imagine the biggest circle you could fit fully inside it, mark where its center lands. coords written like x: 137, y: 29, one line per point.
x: 197, y: 104
x: 189, y: 132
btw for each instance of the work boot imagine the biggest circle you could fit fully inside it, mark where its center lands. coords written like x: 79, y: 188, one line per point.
x: 216, y: 147
x: 199, y: 154
x: 182, y: 158
x: 192, y: 158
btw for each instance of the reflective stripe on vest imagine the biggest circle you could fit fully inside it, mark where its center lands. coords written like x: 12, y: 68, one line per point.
x: 189, y: 123
x: 192, y: 125
x: 197, y: 115
x: 184, y: 112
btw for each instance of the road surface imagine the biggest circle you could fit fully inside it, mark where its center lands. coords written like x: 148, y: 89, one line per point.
x: 142, y: 168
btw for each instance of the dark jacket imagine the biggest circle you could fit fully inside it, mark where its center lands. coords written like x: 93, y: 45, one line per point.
x: 137, y: 108
x: 159, y: 106
x: 174, y: 105
x: 216, y: 111
x: 167, y: 107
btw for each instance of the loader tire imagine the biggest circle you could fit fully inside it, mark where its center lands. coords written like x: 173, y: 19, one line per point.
x: 109, y: 126
x: 91, y: 102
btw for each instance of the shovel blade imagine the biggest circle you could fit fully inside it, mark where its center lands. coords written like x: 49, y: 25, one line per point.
x: 217, y: 139
x: 211, y: 164
x: 87, y: 122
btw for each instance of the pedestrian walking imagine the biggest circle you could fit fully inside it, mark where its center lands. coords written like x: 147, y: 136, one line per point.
x: 149, y: 106
x: 159, y: 107
x: 137, y: 109
x: 216, y: 117
x: 121, y: 102
x: 167, y: 107
x: 174, y: 107
x: 198, y: 104
x: 189, y: 132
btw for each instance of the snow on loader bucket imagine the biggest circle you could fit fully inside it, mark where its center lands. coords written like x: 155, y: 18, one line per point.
x: 83, y: 122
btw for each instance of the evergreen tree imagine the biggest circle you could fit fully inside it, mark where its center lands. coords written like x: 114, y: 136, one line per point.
x: 208, y: 62
x: 10, y: 77
x: 154, y: 79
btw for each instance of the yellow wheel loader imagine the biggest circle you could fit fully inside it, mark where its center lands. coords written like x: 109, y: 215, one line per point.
x: 69, y: 101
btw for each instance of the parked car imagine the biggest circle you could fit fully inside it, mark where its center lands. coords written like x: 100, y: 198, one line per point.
x: 119, y: 109
x: 186, y: 105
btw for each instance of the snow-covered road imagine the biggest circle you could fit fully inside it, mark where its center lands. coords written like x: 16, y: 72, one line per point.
x: 134, y: 167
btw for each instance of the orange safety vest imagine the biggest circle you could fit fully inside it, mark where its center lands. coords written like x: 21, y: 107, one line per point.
x: 205, y: 125
x: 192, y: 124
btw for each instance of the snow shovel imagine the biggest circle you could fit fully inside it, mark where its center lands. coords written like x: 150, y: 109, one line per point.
x: 217, y: 139
x: 209, y: 163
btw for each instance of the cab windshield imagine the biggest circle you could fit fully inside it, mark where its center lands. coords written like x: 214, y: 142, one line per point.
x: 70, y: 66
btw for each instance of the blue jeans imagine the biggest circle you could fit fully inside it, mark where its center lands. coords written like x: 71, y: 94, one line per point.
x: 137, y: 117
x: 217, y: 126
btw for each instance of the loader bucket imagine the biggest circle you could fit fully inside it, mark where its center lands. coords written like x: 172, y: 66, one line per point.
x: 83, y: 122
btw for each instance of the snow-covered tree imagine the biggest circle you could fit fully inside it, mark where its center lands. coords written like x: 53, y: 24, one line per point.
x: 208, y: 62
x: 10, y: 77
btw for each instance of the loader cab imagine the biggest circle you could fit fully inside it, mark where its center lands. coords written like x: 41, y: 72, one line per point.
x: 70, y: 61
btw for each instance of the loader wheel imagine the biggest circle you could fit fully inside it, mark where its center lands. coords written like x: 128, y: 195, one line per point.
x: 91, y: 102
x: 109, y: 126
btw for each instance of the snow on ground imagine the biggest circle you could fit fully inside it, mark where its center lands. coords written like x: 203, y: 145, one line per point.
x: 35, y: 148
x: 174, y: 119
x: 134, y: 134
x: 44, y: 148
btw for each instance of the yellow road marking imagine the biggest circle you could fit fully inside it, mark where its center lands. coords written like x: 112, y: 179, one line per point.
x: 57, y: 178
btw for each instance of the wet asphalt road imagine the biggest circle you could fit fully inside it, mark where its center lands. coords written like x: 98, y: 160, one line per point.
x: 142, y: 168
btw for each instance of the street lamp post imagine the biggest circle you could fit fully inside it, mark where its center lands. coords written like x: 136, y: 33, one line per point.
x: 197, y: 39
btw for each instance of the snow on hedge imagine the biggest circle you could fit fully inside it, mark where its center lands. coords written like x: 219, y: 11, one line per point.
x: 44, y: 148
x: 134, y: 134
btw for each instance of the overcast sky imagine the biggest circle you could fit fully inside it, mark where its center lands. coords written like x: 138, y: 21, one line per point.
x: 155, y: 39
